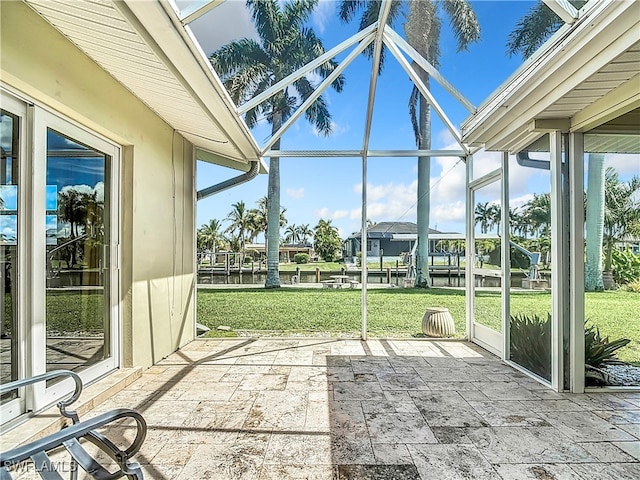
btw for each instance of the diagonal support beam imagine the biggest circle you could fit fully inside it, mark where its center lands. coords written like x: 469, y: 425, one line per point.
x: 197, y: 9
x: 285, y: 82
x: 415, y: 78
x: 318, y: 91
x: 375, y: 70
x: 427, y: 67
x: 383, y: 14
x: 563, y: 9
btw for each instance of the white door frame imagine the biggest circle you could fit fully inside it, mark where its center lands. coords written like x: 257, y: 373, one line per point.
x: 484, y: 336
x: 32, y: 255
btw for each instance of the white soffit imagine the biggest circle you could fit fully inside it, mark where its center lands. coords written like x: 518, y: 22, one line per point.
x: 581, y: 65
x: 146, y: 49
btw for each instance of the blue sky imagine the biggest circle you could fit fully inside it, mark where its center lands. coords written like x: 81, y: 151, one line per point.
x: 330, y: 188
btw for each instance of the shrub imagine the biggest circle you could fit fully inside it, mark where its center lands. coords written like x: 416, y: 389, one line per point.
x: 625, y: 265
x: 300, y: 258
x: 634, y: 286
x: 598, y: 350
x: 531, y: 343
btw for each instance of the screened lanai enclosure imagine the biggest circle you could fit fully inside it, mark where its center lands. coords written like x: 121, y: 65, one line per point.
x: 128, y: 91
x: 543, y: 120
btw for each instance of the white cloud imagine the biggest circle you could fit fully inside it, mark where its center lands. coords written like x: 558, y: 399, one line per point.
x: 98, y: 189
x: 327, y: 214
x: 296, y: 193
x: 517, y: 202
x: 450, y: 184
x: 389, y: 202
x: 336, y: 130
x: 322, y: 14
x: 452, y: 212
x: 397, y: 201
x: 625, y: 164
x: 77, y: 188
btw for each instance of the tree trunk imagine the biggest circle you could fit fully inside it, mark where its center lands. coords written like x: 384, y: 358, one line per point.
x: 424, y: 192
x: 594, y: 223
x: 273, y: 214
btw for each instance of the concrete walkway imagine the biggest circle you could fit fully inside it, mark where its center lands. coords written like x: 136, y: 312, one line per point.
x: 283, y: 409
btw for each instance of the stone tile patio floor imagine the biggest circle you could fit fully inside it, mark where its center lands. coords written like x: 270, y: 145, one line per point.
x: 281, y: 409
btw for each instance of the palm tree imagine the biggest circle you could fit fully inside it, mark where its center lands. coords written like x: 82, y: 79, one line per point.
x: 259, y: 216
x: 495, y: 213
x: 518, y: 223
x: 537, y: 213
x: 210, y: 238
x: 622, y: 212
x: 530, y: 33
x: 291, y: 234
x: 423, y: 33
x: 304, y: 233
x: 248, y: 67
x: 594, y: 218
x: 72, y: 209
x: 240, y: 224
x: 483, y: 216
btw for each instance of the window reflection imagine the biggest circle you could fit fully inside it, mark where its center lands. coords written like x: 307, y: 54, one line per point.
x: 77, y: 234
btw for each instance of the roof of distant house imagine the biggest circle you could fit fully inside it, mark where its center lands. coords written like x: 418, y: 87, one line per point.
x: 388, y: 229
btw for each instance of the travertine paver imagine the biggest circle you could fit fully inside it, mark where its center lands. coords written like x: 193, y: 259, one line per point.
x: 323, y: 409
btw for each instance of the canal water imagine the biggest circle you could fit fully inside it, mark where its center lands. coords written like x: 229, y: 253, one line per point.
x: 376, y: 277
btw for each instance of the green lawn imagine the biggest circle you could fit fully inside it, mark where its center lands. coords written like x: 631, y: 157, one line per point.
x: 398, y: 312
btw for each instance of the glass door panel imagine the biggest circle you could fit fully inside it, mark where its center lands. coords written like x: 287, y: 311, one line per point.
x: 530, y: 239
x: 487, y: 278
x: 78, y: 322
x: 487, y: 266
x: 9, y: 320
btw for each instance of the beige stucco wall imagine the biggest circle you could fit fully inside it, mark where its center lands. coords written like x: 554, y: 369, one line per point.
x: 157, y: 179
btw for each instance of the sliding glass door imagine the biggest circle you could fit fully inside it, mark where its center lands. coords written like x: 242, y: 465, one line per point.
x: 60, y: 238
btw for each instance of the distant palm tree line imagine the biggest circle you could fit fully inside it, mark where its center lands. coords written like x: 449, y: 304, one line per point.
x: 244, y: 226
x: 532, y: 221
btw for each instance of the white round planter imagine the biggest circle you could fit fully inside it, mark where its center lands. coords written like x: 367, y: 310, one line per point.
x: 438, y: 322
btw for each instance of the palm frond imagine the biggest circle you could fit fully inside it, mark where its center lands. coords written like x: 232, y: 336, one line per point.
x: 318, y: 113
x: 266, y: 17
x: 235, y: 56
x: 310, y: 43
x: 533, y: 30
x: 297, y: 12
x: 348, y: 8
x: 463, y: 22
